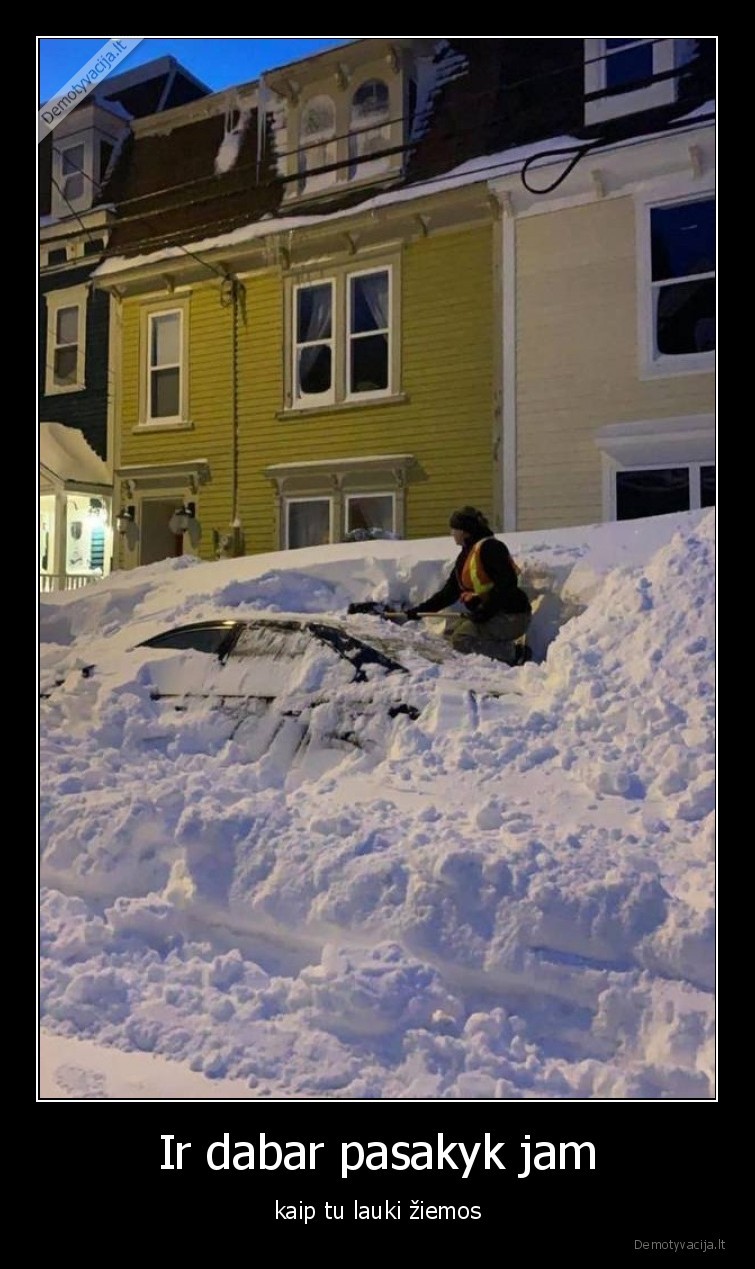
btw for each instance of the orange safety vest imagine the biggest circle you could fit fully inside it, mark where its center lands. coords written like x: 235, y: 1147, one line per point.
x: 473, y: 579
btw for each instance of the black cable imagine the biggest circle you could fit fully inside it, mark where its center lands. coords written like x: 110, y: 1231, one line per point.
x: 490, y: 171
x: 247, y: 167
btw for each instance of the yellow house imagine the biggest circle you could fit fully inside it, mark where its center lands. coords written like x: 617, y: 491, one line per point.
x: 341, y: 313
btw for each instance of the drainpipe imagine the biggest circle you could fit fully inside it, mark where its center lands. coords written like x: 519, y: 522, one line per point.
x: 508, y: 362
x: 231, y: 292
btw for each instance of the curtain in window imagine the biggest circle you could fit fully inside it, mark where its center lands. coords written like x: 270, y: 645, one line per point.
x: 371, y: 292
x: 314, y: 324
x: 368, y: 368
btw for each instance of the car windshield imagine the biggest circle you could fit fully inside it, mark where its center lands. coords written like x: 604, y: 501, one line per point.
x: 206, y: 638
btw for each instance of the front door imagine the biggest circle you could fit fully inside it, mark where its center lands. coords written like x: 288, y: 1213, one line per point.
x: 156, y: 541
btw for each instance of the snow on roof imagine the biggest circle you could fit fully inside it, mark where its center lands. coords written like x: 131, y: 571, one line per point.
x: 68, y: 456
x: 485, y: 167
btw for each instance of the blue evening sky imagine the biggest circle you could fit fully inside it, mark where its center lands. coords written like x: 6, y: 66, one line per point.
x: 218, y: 61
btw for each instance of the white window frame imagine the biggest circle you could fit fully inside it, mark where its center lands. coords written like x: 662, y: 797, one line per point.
x: 71, y: 297
x: 304, y: 400
x: 339, y: 395
x: 650, y: 365
x: 181, y: 420
x: 693, y: 475
x: 325, y: 140
x: 296, y: 498
x: 349, y: 394
x: 357, y: 495
x: 626, y: 103
x: 653, y: 445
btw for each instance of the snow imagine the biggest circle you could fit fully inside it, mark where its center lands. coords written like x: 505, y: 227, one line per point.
x: 511, y: 896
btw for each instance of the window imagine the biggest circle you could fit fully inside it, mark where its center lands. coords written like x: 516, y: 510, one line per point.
x: 106, y: 153
x: 662, y: 490
x: 678, y: 286
x: 683, y: 245
x: 308, y: 522
x: 368, y: 332
x: 318, y: 147
x: 348, y: 360
x: 163, y: 365
x: 369, y: 130
x: 341, y: 499
x: 370, y: 516
x: 66, y: 331
x: 57, y: 255
x: 94, y: 246
x: 215, y: 638
x: 313, y: 357
x: 66, y: 348
x: 72, y: 169
x: 164, y: 386
x: 629, y: 73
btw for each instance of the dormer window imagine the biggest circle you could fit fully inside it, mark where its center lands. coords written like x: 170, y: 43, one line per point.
x: 626, y: 74
x: 345, y: 124
x: 369, y: 129
x: 318, y: 146
x: 72, y: 168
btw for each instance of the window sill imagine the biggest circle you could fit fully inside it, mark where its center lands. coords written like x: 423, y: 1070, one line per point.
x: 172, y: 425
x: 54, y: 390
x: 672, y: 366
x: 341, y: 407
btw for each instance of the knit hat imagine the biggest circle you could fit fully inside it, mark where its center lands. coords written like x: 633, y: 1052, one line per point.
x: 470, y: 520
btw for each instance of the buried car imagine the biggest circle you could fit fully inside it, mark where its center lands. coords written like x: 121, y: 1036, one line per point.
x: 263, y: 672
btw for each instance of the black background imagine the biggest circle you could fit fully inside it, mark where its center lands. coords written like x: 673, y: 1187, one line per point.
x: 661, y: 1174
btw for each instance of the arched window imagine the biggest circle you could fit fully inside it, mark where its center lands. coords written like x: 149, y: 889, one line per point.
x: 317, y: 144
x: 369, y: 129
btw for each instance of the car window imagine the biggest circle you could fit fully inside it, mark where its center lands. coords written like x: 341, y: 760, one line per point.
x: 212, y: 639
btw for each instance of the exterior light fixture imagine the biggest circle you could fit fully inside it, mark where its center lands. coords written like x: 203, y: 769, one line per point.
x: 126, y: 518
x: 181, y: 520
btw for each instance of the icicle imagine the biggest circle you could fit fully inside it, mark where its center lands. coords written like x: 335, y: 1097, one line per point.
x: 261, y: 120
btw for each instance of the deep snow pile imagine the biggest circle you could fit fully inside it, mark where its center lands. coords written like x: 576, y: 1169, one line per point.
x: 508, y: 896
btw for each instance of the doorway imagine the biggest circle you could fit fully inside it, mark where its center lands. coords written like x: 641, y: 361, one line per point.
x: 157, y: 542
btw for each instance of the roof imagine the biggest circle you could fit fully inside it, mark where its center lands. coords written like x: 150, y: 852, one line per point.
x: 67, y: 457
x: 485, y: 96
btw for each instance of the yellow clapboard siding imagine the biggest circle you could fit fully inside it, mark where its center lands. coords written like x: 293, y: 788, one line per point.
x: 447, y: 376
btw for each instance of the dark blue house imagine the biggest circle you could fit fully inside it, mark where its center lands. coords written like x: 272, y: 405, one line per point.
x: 76, y: 388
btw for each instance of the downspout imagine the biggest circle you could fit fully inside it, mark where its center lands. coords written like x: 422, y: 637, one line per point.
x: 231, y: 293
x: 508, y: 363
x: 235, y: 521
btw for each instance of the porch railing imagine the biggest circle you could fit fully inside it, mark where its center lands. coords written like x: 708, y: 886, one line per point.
x: 66, y: 581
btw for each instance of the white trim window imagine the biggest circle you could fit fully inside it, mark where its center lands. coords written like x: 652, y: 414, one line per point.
x: 677, y: 259
x: 369, y: 130
x: 318, y: 145
x: 369, y: 333
x: 344, y: 339
x: 626, y: 74
x: 164, y: 368
x: 656, y: 466
x: 655, y: 490
x: 314, y: 382
x: 72, y: 172
x: 370, y: 515
x: 308, y: 521
x: 66, y: 341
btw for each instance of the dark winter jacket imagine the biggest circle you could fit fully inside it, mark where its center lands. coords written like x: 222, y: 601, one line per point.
x: 506, y: 595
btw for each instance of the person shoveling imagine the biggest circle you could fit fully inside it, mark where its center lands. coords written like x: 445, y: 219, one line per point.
x: 494, y: 613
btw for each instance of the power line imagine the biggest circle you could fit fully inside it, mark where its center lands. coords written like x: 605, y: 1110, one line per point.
x: 531, y: 79
x: 495, y: 168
